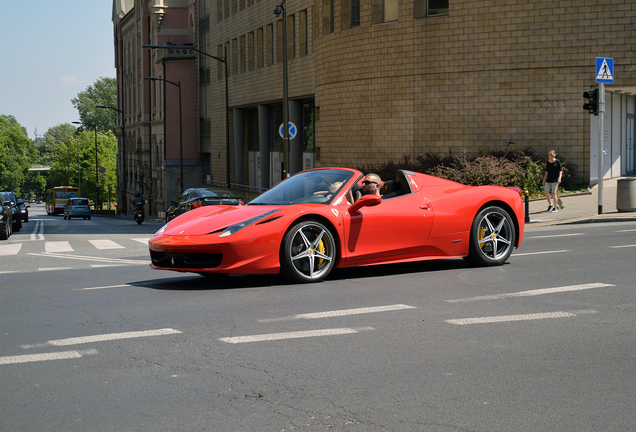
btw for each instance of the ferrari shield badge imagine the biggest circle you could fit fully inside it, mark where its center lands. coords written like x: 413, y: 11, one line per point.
x: 335, y: 212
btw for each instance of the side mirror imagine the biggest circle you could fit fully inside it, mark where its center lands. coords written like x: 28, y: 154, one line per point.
x: 365, y: 201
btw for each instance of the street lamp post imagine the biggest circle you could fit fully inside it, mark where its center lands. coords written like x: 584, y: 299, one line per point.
x: 282, y: 8
x: 178, y: 84
x: 227, y: 101
x: 97, y: 202
x: 123, y: 140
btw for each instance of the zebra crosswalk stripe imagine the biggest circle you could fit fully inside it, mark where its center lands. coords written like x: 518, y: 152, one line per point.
x: 10, y: 249
x: 58, y: 246
x: 106, y: 244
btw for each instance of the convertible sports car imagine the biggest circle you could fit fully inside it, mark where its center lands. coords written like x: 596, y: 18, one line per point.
x: 305, y: 226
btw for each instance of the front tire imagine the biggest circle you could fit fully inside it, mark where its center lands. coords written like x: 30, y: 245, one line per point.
x: 492, y: 237
x: 308, y: 252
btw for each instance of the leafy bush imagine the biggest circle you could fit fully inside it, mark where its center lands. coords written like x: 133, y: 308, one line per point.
x: 523, y: 168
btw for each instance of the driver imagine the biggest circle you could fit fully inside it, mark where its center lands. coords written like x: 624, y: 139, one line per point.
x: 371, y: 184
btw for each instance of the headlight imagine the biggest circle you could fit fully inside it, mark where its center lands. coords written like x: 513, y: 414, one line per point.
x: 239, y: 226
x: 162, y: 229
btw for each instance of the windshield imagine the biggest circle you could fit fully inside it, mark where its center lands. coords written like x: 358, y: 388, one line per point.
x: 317, y: 186
x: 216, y: 193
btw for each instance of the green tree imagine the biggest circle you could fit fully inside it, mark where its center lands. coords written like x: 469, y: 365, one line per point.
x: 102, y: 92
x: 53, y: 139
x: 74, y: 163
x: 17, y: 153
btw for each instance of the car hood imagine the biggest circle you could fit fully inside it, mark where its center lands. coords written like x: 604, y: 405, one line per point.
x: 210, y: 219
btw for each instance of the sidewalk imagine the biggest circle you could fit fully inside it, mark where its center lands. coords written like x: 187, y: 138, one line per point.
x: 581, y: 208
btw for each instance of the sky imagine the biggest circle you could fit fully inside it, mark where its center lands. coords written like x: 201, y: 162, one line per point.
x: 51, y: 51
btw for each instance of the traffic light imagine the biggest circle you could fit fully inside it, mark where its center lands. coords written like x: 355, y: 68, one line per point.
x: 592, y: 101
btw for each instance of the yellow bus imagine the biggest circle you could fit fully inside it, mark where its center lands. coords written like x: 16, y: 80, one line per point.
x: 56, y: 198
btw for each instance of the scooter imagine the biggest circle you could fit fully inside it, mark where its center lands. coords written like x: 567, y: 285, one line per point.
x: 139, y: 212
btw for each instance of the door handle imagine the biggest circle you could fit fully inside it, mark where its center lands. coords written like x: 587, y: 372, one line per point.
x: 425, y: 206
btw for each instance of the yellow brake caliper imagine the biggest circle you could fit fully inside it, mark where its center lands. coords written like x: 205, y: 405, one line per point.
x: 321, y: 249
x: 481, y: 236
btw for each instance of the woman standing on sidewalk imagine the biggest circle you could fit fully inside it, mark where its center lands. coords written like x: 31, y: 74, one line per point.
x: 551, y: 180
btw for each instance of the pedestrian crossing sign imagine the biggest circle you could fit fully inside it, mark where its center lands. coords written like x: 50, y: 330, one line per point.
x: 604, y: 70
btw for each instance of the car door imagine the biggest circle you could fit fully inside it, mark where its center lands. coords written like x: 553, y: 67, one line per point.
x: 396, y: 228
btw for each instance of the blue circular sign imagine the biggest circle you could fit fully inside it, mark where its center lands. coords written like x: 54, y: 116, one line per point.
x: 292, y: 130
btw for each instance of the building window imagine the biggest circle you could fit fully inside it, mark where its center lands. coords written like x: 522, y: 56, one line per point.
x: 328, y: 16
x: 303, y: 33
x: 383, y: 11
x: 332, y: 18
x: 436, y: 7
x: 259, y: 48
x: 291, y: 36
x: 355, y: 13
x: 390, y: 10
x: 270, y: 44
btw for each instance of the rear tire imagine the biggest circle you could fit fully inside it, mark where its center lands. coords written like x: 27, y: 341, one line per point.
x: 492, y: 237
x: 308, y: 252
x: 4, y: 235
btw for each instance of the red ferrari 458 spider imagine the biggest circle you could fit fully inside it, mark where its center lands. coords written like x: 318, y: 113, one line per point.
x: 316, y: 221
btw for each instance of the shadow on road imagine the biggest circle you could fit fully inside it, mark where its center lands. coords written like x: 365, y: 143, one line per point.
x: 193, y: 282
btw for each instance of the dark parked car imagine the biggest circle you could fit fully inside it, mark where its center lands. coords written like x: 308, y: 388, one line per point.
x: 15, y: 211
x: 200, y: 197
x: 77, y: 207
x: 6, y: 219
x: 24, y: 210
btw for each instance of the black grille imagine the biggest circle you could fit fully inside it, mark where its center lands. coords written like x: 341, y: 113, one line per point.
x: 186, y: 260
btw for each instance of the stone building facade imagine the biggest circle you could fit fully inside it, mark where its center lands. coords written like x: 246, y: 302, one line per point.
x: 159, y: 152
x: 370, y: 82
x: 388, y: 78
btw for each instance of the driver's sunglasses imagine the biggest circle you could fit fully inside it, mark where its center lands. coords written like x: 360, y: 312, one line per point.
x: 368, y: 182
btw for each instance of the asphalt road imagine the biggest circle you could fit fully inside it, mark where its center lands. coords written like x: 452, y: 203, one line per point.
x: 92, y: 339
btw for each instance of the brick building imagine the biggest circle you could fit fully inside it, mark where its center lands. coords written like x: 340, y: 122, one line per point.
x: 377, y: 80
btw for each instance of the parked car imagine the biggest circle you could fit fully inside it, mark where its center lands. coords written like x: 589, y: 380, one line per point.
x: 24, y: 210
x: 77, y: 207
x: 6, y: 219
x: 15, y: 211
x: 200, y: 197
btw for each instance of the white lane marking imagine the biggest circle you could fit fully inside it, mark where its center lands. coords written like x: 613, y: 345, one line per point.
x: 102, y: 287
x: 627, y: 230
x: 293, y: 335
x: 338, y: 313
x: 509, y: 318
x: 38, y: 230
x: 142, y: 240
x: 45, y: 357
x: 555, y: 236
x: 533, y: 292
x: 10, y: 249
x: 113, y: 336
x: 85, y: 258
x: 540, y: 253
x: 54, y: 268
x: 58, y: 246
x: 105, y: 244
x: 623, y: 246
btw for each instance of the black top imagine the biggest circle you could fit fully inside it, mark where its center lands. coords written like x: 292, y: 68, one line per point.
x: 553, y: 169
